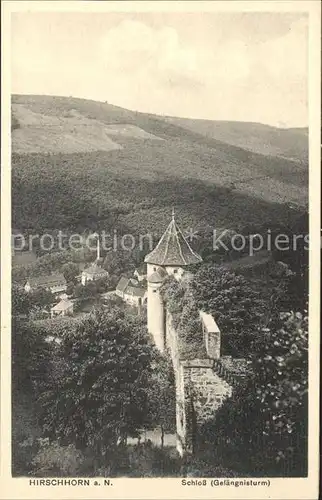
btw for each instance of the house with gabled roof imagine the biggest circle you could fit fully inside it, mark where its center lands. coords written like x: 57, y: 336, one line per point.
x: 131, y: 291
x: 64, y: 308
x: 55, y: 283
x: 121, y: 286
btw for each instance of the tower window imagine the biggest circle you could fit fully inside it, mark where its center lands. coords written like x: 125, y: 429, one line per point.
x: 154, y: 291
x: 175, y: 271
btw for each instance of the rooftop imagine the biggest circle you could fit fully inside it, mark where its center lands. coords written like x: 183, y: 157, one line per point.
x: 130, y: 286
x: 173, y: 249
x: 157, y: 276
x: 95, y: 269
x: 62, y: 305
x: 136, y: 291
x: 49, y: 280
x: 122, y: 284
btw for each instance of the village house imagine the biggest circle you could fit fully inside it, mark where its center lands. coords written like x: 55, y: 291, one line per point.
x: 95, y: 271
x: 64, y: 308
x: 131, y: 291
x: 55, y: 283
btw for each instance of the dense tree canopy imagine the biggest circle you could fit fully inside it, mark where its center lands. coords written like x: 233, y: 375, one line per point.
x: 275, y: 402
x: 70, y: 270
x: 101, y: 396
x: 236, y: 304
x: 20, y: 301
x: 162, y: 397
x: 31, y: 356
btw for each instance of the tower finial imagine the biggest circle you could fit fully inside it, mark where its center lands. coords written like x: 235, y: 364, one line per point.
x: 172, y: 213
x: 98, y: 249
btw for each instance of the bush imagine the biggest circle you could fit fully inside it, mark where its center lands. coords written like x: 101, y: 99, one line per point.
x: 55, y: 460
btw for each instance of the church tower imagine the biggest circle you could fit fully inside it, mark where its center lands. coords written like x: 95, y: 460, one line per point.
x: 95, y: 271
x: 172, y: 255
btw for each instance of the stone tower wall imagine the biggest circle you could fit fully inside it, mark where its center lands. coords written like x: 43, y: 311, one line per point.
x: 155, y: 310
x: 156, y: 318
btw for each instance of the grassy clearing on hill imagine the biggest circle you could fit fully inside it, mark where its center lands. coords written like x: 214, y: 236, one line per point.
x: 69, y: 133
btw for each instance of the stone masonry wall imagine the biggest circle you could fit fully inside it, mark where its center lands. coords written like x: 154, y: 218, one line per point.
x: 199, y: 391
x: 172, y: 346
x: 208, y: 390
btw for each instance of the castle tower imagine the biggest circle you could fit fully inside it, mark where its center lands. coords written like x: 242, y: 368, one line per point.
x: 172, y: 255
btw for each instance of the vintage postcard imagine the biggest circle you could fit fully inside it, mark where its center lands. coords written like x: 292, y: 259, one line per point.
x: 160, y: 249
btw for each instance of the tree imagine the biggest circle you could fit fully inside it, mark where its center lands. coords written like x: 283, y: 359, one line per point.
x: 296, y: 257
x: 162, y: 397
x: 295, y: 292
x: 101, y: 396
x: 79, y: 291
x: 31, y: 357
x: 118, y: 262
x: 70, y: 270
x: 102, y: 285
x: 237, y: 306
x: 281, y: 368
x: 24, y: 303
x: 87, y: 291
x: 274, y: 400
x: 41, y: 298
x: 20, y: 301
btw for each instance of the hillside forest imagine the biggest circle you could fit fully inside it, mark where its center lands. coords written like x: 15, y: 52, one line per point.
x: 80, y: 167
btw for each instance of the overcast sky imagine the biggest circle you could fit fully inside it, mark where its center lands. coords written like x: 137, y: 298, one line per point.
x: 221, y: 66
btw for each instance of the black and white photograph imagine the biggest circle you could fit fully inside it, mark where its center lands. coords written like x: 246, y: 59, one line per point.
x: 160, y: 247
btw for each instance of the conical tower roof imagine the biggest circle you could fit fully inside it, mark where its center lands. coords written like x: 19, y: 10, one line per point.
x: 173, y: 249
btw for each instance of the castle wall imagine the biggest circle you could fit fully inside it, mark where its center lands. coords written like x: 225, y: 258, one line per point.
x: 172, y: 345
x: 211, y: 335
x: 209, y: 390
x: 199, y: 391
